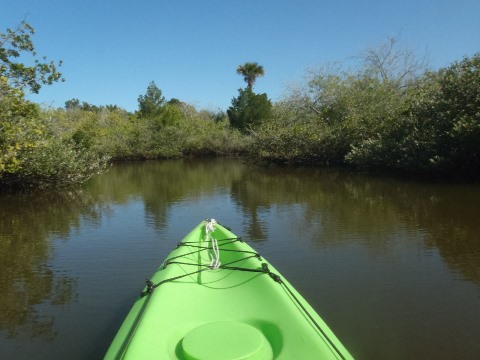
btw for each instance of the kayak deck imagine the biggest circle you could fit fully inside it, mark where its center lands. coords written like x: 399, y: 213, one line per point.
x: 242, y: 310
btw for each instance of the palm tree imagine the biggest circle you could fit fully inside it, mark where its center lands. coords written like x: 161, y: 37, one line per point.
x: 250, y: 72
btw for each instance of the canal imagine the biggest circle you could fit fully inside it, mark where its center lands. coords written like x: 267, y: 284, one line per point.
x: 392, y: 266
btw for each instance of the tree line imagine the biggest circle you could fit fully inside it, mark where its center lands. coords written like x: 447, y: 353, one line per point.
x: 391, y: 114
x: 388, y: 113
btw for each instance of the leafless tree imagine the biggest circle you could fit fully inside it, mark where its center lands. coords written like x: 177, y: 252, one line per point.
x: 394, y: 64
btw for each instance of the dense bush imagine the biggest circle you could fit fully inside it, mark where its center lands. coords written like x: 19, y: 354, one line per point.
x: 55, y: 162
x: 35, y: 156
x: 439, y: 130
x: 31, y: 151
x: 388, y: 113
x: 289, y: 137
x: 428, y: 123
x: 321, y: 123
x: 178, y: 130
x: 249, y: 110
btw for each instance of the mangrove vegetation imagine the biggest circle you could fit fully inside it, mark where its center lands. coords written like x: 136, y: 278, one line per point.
x: 388, y: 112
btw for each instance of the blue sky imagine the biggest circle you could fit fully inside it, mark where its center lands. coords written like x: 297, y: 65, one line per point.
x: 111, y: 50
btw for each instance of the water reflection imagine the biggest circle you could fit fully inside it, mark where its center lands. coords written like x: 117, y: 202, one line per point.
x: 163, y: 184
x: 335, y: 203
x: 338, y: 203
x: 450, y: 217
x: 27, y: 280
x: 309, y: 209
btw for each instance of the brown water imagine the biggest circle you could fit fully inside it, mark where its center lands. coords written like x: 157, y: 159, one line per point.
x: 392, y: 266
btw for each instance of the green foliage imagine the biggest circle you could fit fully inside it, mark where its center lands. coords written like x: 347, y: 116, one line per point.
x: 110, y: 131
x: 55, y: 162
x: 72, y: 104
x: 32, y: 152
x: 17, y: 128
x: 380, y: 117
x: 180, y: 130
x: 249, y: 110
x: 439, y: 129
x: 207, y: 136
x: 453, y: 114
x: 321, y: 122
x: 250, y: 72
x: 152, y: 103
x: 186, y: 133
x: 291, y: 137
x: 35, y: 156
x: 12, y: 44
x: 171, y: 115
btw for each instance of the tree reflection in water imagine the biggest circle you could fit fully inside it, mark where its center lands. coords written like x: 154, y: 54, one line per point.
x: 337, y: 202
x: 137, y: 211
x: 27, y: 281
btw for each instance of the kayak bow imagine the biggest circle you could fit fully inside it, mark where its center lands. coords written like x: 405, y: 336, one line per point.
x: 215, y: 298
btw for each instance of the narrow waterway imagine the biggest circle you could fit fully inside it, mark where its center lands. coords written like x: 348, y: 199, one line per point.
x: 392, y: 266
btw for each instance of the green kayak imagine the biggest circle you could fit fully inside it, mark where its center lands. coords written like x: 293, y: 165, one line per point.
x: 215, y: 298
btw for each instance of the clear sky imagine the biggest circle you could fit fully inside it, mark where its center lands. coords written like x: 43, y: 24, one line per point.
x: 112, y: 49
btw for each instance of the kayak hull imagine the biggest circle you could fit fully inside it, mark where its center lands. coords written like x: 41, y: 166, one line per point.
x: 242, y: 310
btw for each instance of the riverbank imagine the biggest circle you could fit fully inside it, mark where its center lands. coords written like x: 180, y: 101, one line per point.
x: 425, y: 125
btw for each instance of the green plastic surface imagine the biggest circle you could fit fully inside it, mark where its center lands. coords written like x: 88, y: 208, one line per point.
x: 160, y: 322
x: 226, y: 340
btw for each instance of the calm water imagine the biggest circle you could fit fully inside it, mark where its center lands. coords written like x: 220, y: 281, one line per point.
x: 392, y: 266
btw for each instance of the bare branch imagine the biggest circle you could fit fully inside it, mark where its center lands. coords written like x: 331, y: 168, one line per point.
x: 391, y: 63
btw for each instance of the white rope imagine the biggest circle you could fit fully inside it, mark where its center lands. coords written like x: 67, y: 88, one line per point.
x: 215, y: 257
